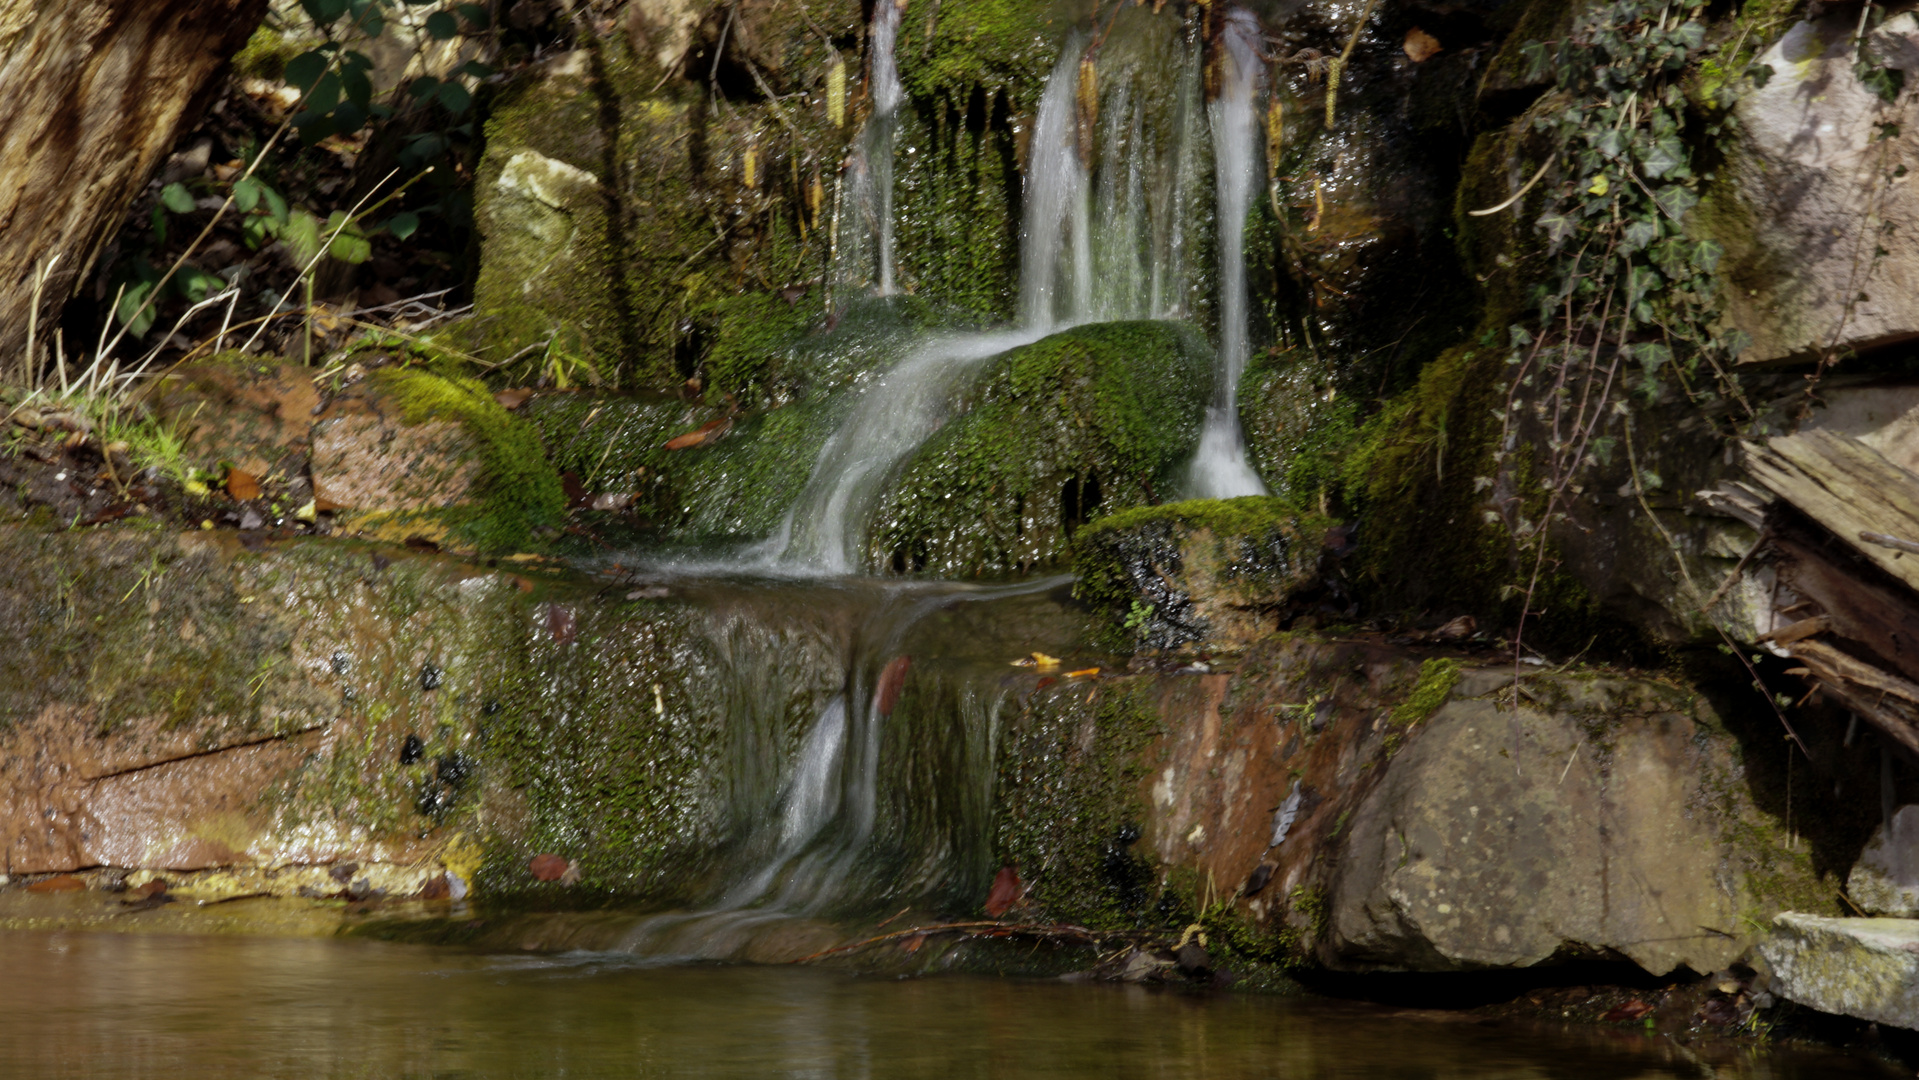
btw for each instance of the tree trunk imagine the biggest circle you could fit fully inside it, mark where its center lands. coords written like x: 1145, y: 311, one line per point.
x: 95, y: 93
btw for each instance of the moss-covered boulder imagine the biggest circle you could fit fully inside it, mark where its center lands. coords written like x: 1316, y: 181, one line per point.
x: 408, y: 453
x: 1212, y: 571
x: 1053, y: 434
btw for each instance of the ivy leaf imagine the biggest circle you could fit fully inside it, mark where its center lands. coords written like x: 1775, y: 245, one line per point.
x: 1642, y: 281
x: 1640, y: 233
x: 1690, y: 35
x: 1666, y: 154
x: 1652, y: 355
x: 1707, y: 255
x: 175, y: 198
x: 1519, y: 336
x: 1557, y: 228
x: 1675, y: 201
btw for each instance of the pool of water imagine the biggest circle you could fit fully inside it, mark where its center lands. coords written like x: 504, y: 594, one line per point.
x: 121, y: 1005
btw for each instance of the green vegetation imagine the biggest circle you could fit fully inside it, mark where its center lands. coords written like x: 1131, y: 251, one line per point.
x: 1437, y: 677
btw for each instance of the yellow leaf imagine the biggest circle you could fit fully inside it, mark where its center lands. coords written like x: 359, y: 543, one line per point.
x: 1045, y: 662
x: 750, y: 167
x: 1599, y: 185
x: 836, y: 92
x: 1275, y: 135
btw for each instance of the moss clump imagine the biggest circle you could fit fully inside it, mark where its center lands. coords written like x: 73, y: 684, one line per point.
x: 1437, y: 677
x: 1057, y: 432
x: 1300, y: 424
x: 986, y: 45
x: 518, y: 488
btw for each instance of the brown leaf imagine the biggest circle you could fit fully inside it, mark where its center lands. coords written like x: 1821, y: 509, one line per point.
x: 1421, y: 46
x: 547, y: 867
x: 63, y: 883
x: 1458, y: 629
x: 705, y: 433
x: 514, y: 398
x: 242, y: 485
x: 892, y: 679
x: 1005, y: 893
x: 561, y: 624
x: 436, y: 888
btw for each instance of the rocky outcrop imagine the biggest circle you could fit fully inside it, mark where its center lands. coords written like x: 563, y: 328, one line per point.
x: 1868, y: 968
x: 1819, y: 231
x: 1358, y: 808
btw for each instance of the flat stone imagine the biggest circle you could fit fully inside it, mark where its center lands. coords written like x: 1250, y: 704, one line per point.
x: 1885, y: 880
x: 1866, y: 968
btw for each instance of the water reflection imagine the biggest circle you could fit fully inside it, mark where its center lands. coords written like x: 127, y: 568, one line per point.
x: 135, y: 1006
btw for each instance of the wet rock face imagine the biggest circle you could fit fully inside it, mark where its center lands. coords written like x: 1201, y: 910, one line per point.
x: 1220, y: 574
x: 366, y: 457
x: 1821, y: 236
x: 254, y: 414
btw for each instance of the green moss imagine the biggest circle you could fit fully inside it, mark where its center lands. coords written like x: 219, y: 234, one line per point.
x: 1251, y: 515
x: 1437, y: 677
x: 265, y: 55
x: 1059, y: 431
x: 1068, y: 810
x: 990, y: 45
x: 518, y: 488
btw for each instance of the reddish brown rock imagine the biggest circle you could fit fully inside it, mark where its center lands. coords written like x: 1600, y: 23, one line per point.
x: 259, y: 416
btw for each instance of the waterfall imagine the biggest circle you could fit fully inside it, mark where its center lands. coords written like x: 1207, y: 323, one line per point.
x: 811, y: 851
x: 1220, y: 469
x: 1139, y: 248
x: 864, y: 258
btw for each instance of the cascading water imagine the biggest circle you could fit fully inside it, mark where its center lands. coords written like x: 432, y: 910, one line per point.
x: 864, y: 258
x: 1220, y: 469
x: 1139, y: 248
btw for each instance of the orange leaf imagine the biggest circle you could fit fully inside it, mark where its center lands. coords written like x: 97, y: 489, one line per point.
x: 1006, y: 892
x: 891, y: 681
x: 1420, y: 45
x: 514, y: 398
x: 1082, y: 673
x: 63, y: 883
x: 705, y: 433
x: 242, y: 485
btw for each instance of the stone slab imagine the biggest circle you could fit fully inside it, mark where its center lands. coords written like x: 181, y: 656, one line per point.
x: 1866, y: 968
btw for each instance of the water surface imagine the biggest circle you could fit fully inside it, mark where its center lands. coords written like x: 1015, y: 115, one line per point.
x: 122, y: 1005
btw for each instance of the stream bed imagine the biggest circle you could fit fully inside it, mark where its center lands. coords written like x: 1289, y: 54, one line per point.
x: 78, y: 1004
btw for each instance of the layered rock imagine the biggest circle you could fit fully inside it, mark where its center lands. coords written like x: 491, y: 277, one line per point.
x: 1868, y: 968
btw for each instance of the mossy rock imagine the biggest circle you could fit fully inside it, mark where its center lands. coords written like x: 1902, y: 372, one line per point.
x: 1053, y: 434
x: 1213, y: 571
x: 411, y: 453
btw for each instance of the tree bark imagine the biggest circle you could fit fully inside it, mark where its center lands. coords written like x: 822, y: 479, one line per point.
x: 95, y: 93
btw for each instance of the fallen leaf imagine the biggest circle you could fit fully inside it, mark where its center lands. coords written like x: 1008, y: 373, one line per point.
x: 1631, y: 1010
x: 514, y: 398
x: 1463, y: 627
x: 892, y: 679
x: 1045, y: 662
x: 1005, y: 892
x: 436, y: 888
x: 1421, y: 46
x: 1083, y: 673
x: 560, y: 623
x: 242, y: 485
x: 63, y: 883
x: 711, y: 431
x: 913, y: 942
x: 547, y: 867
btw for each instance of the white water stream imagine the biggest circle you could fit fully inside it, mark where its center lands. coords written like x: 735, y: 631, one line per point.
x: 1220, y: 469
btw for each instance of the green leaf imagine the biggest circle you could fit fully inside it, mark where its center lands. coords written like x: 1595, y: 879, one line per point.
x: 323, y: 12
x: 455, y: 97
x: 1641, y: 282
x: 358, y: 88
x: 246, y: 194
x: 1557, y: 228
x: 1652, y: 355
x: 423, y: 87
x: 157, y: 223
x: 301, y: 235
x: 1675, y: 201
x: 403, y: 224
x: 276, y: 206
x: 474, y: 14
x: 325, y: 94
x: 1666, y: 154
x: 371, y: 20
x: 196, y: 284
x: 175, y: 198
x: 440, y: 26
x: 476, y: 69
x: 305, y: 69
x: 1640, y: 233
x: 348, y: 118
x: 130, y: 302
x: 1707, y: 255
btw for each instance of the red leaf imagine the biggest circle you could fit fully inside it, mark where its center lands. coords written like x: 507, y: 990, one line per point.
x: 1631, y: 1010
x: 891, y: 681
x: 560, y: 623
x: 705, y: 433
x: 63, y: 883
x: 1006, y: 892
x: 547, y: 867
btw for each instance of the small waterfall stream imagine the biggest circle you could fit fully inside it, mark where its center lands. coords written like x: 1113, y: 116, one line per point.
x: 1220, y: 468
x: 1107, y: 243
